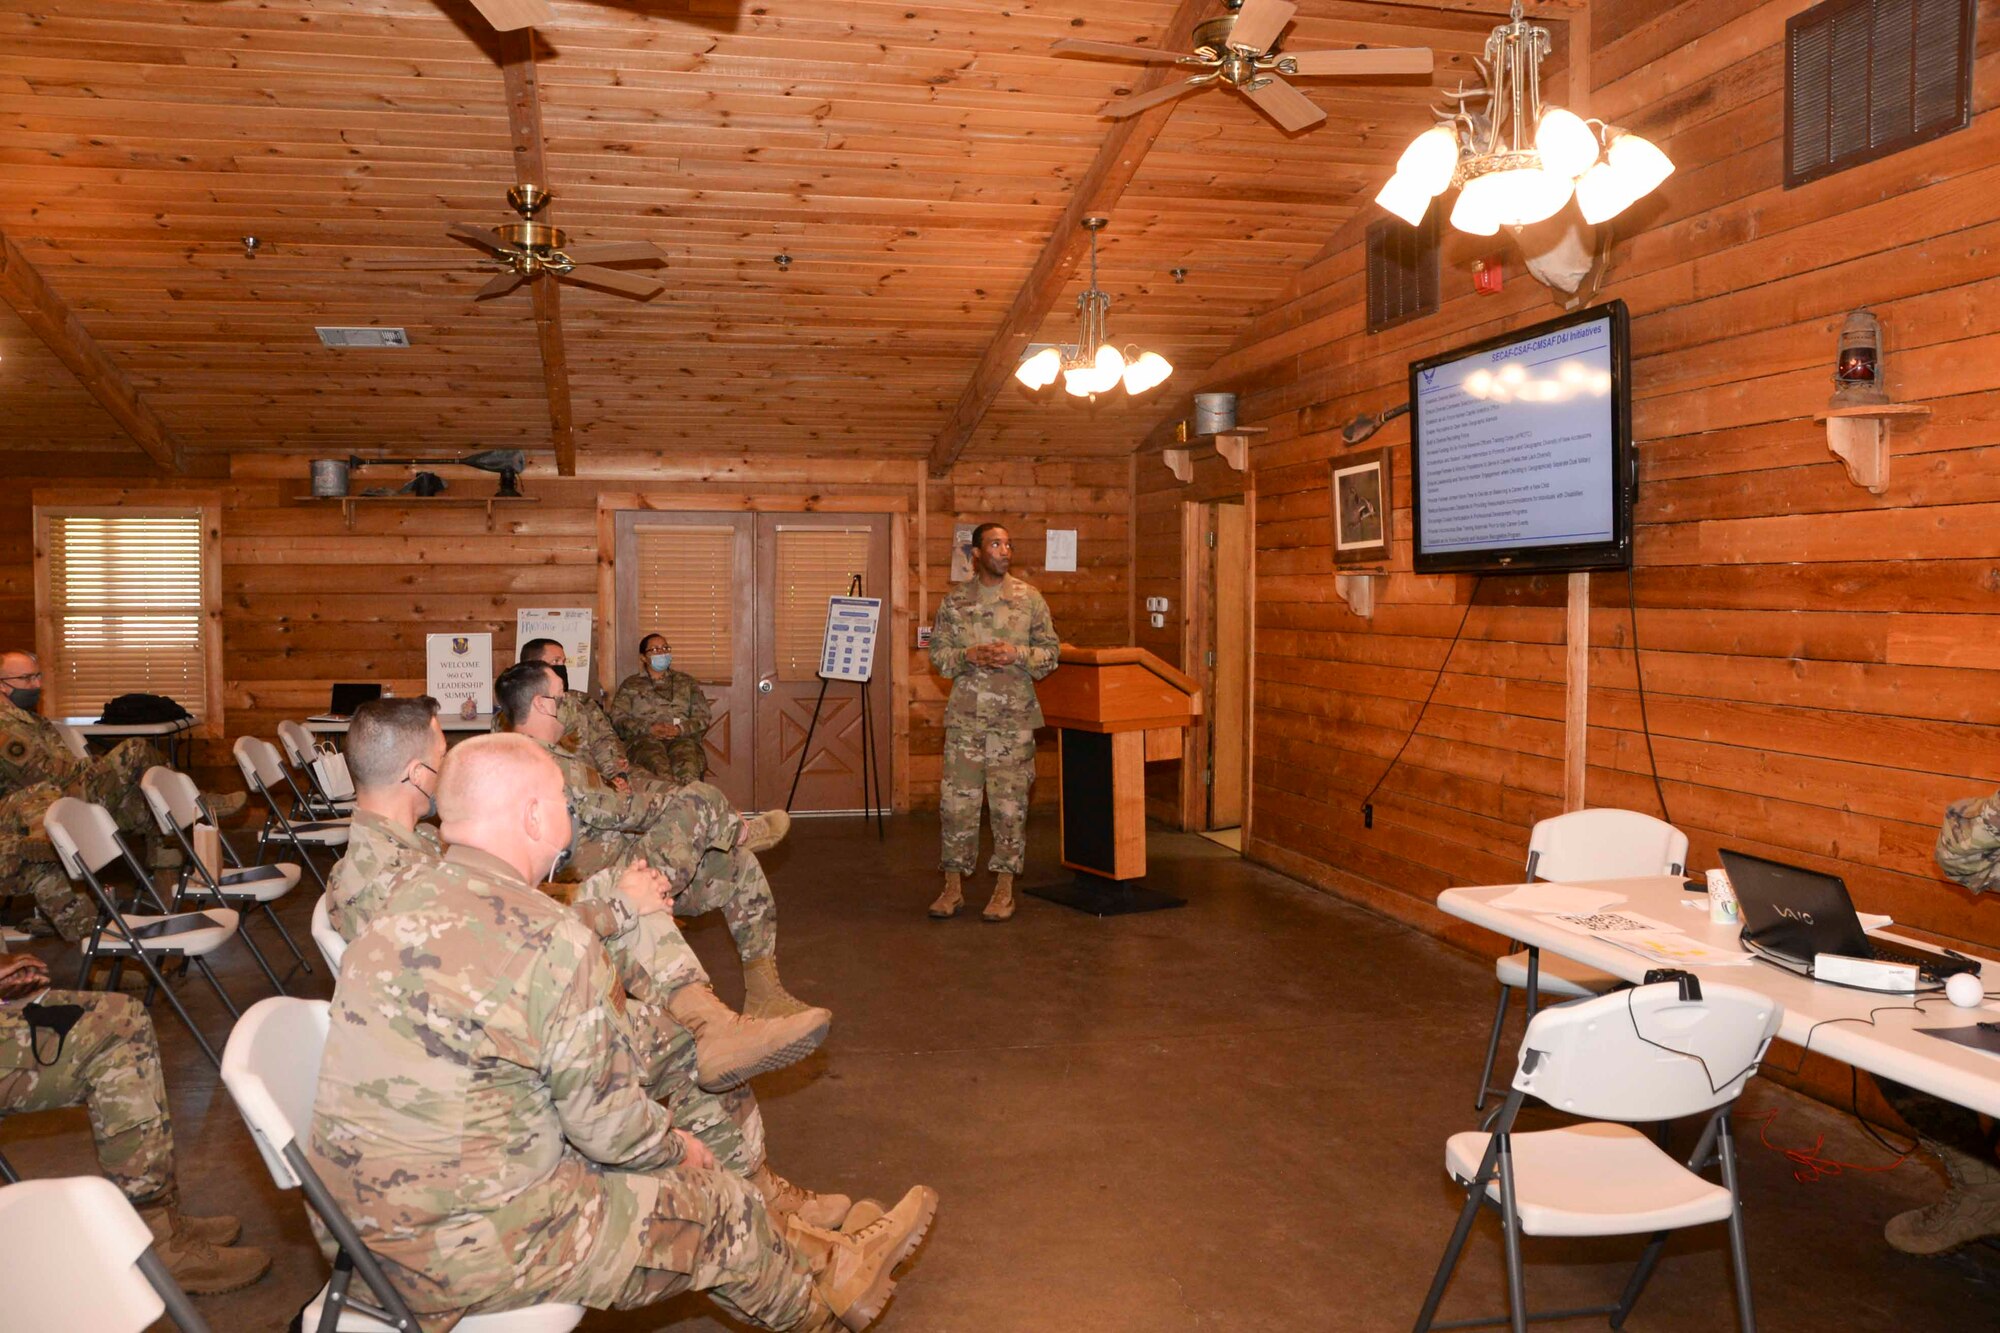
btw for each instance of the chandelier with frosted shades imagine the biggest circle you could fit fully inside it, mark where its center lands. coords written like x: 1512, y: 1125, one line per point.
x: 1520, y: 162
x: 1092, y: 364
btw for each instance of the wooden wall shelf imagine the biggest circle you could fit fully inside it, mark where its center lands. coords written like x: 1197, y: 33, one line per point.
x: 1233, y: 446
x: 347, y: 503
x: 1859, y: 438
x: 1358, y: 591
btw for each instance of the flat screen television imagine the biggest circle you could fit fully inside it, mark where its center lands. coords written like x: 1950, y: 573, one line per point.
x: 1521, y: 450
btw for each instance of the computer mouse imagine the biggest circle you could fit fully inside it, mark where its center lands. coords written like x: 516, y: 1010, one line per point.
x: 1965, y: 990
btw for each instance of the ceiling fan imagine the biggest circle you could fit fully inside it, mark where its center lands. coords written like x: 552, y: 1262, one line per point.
x: 1240, y: 49
x: 527, y: 249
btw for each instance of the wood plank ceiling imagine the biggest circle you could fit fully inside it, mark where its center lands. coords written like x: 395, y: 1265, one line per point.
x: 912, y: 158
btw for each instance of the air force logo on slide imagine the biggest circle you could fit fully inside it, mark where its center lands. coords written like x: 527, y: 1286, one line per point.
x: 460, y: 645
x: 1430, y: 376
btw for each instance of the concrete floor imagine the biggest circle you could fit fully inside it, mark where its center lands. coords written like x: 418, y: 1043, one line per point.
x: 1226, y: 1117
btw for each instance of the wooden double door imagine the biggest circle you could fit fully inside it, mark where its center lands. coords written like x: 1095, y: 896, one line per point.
x: 742, y: 598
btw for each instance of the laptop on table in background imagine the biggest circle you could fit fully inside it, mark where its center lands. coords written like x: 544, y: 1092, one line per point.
x: 346, y: 698
x: 1791, y: 915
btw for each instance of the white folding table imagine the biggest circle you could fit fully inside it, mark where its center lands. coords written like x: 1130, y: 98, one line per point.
x: 1892, y: 1046
x: 168, y: 733
x: 452, y: 723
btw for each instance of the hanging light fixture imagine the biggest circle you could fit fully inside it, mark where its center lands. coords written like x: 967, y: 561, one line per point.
x: 1093, y: 364
x: 1520, y: 161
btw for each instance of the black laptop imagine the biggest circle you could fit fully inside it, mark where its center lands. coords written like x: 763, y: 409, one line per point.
x: 1791, y: 915
x: 346, y: 698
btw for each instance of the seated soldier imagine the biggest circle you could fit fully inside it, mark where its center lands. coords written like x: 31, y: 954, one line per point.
x: 395, y: 748
x: 675, y: 837
x: 108, y: 1061
x: 480, y: 1117
x: 662, y: 715
x: 28, y: 862
x: 33, y: 753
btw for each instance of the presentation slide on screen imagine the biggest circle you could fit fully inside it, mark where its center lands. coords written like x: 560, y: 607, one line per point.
x: 1516, y: 444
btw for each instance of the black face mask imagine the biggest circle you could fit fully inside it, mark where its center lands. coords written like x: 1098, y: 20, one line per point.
x: 563, y: 856
x: 430, y: 797
x: 562, y: 673
x: 26, y: 699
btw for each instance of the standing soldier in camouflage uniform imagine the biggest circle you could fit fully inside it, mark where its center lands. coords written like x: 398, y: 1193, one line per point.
x: 1968, y: 851
x: 479, y: 1115
x: 993, y: 640
x: 109, y: 1063
x: 662, y: 715
x: 395, y: 749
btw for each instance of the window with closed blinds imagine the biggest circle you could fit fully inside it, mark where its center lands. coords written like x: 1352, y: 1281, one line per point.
x: 125, y: 606
x: 813, y: 565
x: 687, y: 591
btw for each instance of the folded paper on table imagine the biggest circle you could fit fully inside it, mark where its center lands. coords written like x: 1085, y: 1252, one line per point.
x: 1548, y: 897
x: 1608, y: 925
x: 1674, y: 949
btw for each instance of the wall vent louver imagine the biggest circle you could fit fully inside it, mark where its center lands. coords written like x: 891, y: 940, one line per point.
x: 1866, y: 78
x: 1402, y: 271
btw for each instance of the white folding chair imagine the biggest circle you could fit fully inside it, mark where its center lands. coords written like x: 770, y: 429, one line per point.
x: 75, y: 1255
x: 87, y: 840
x: 271, y: 1068
x: 331, y: 946
x: 264, y: 773
x: 1579, y: 846
x: 1646, y: 1054
x: 74, y: 739
x: 302, y: 754
x: 178, y: 809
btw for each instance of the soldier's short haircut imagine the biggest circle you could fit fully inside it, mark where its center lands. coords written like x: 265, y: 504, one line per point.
x: 487, y: 768
x: 518, y: 688
x: 979, y: 533
x: 534, y: 649
x: 386, y: 737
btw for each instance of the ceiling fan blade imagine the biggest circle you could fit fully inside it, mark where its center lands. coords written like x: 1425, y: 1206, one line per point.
x: 617, y: 252
x: 1132, y: 106
x: 1292, y: 109
x: 478, y: 236
x: 1374, y: 60
x: 507, y: 15
x: 626, y: 284
x: 501, y: 285
x: 1259, y: 23
x: 1077, y: 46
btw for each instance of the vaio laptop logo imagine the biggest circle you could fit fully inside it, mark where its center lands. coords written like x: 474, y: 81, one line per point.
x: 1793, y: 914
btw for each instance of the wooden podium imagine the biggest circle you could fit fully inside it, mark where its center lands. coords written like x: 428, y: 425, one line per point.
x: 1117, y: 709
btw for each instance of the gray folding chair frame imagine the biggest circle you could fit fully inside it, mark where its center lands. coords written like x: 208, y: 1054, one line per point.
x: 318, y: 803
x: 277, y: 824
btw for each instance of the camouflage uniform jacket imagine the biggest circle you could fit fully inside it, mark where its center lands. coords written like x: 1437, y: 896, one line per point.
x: 994, y: 698
x: 641, y: 702
x: 583, y: 718
x: 1968, y: 846
x: 378, y: 849
x: 32, y: 750
x: 479, y: 1114
x: 613, y: 826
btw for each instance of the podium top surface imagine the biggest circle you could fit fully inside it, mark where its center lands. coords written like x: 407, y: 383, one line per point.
x: 1117, y: 689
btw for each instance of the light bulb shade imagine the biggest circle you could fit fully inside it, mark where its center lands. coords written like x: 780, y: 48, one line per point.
x: 1148, y: 370
x: 1522, y: 196
x: 1040, y: 370
x: 1405, y: 198
x: 1428, y: 162
x: 1565, y: 142
x: 1601, y: 194
x: 1476, y: 212
x: 1642, y: 165
x: 1110, y: 361
x: 1079, y: 381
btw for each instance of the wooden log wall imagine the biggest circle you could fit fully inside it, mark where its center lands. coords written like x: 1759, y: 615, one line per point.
x: 307, y: 601
x: 1819, y: 662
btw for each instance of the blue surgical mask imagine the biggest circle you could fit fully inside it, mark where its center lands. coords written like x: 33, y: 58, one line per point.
x: 660, y: 661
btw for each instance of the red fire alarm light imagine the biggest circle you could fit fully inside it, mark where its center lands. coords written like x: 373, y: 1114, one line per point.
x: 1487, y: 275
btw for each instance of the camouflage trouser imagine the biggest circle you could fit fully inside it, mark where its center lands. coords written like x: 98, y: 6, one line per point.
x: 734, y: 881
x: 110, y: 1064
x: 728, y: 1124
x: 112, y: 781
x: 28, y: 864
x: 1001, y: 766
x: 709, y: 1231
x: 680, y: 761
x: 653, y: 958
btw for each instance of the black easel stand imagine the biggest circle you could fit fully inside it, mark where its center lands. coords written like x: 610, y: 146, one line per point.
x: 871, y: 770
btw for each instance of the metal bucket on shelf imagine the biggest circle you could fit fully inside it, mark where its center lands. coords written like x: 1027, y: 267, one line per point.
x: 329, y: 478
x: 1214, y: 413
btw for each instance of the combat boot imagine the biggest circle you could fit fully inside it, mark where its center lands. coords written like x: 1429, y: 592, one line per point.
x: 761, y: 832
x: 201, y: 1266
x: 764, y: 996
x: 730, y: 1049
x: 864, y: 1214
x: 1969, y: 1211
x: 951, y: 899
x: 1001, y: 905
x: 855, y: 1272
x: 785, y: 1200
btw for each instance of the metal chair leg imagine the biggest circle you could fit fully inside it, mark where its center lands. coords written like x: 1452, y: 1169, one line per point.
x: 216, y: 983
x: 1517, y: 1295
x: 286, y: 936
x: 1449, y: 1261
x: 1739, y: 1250
x: 1492, y: 1050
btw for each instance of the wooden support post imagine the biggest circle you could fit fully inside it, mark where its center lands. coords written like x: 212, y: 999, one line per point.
x: 524, y: 123
x: 1576, y: 697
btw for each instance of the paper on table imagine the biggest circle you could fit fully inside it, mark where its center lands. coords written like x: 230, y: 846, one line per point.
x: 1875, y: 920
x: 1677, y: 950
x: 1609, y: 925
x: 1557, y: 898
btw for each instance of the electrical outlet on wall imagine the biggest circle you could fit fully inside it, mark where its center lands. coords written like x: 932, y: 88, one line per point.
x: 1159, y: 620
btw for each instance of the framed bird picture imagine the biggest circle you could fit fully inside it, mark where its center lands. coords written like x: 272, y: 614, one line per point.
x: 1361, y: 504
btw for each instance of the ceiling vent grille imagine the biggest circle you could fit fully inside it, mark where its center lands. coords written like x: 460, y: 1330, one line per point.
x: 361, y: 337
x: 1866, y: 78
x: 1402, y: 271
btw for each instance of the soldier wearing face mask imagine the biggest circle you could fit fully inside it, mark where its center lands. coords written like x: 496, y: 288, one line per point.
x: 395, y: 748
x: 583, y: 717
x: 662, y: 715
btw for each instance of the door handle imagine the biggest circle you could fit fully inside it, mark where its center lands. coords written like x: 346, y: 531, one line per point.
x: 766, y: 685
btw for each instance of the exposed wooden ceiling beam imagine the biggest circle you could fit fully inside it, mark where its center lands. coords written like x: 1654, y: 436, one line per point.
x: 41, y: 309
x: 1117, y: 161
x: 524, y: 123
